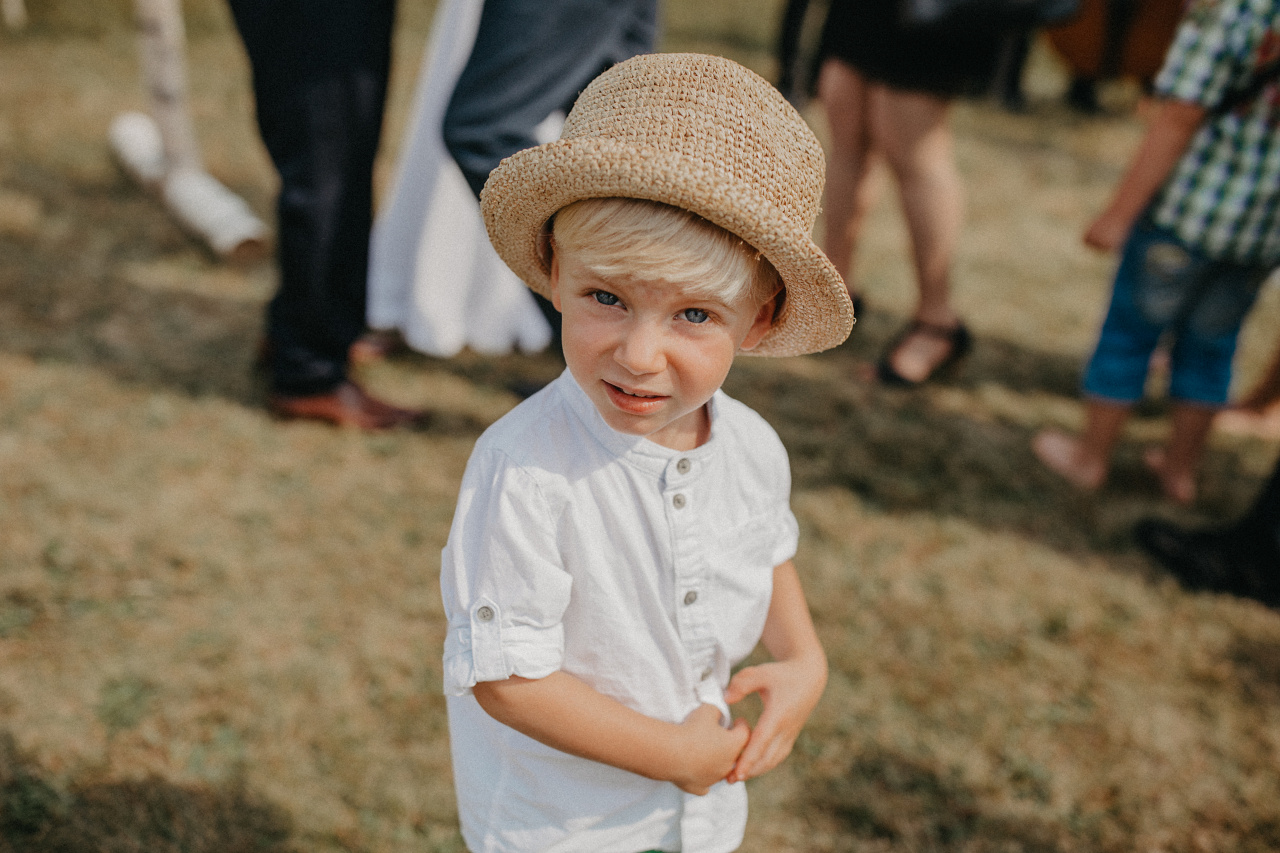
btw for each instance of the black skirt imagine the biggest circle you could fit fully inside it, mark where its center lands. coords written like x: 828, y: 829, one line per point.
x: 866, y: 34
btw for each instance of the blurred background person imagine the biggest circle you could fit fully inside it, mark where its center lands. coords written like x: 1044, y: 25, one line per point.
x: 1113, y: 39
x: 531, y: 58
x: 1257, y: 413
x: 1198, y: 216
x: 1241, y: 559
x: 320, y: 74
x: 435, y: 281
x: 886, y: 91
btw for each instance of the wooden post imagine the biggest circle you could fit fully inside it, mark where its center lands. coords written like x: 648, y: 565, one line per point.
x: 160, y: 151
x: 162, y: 44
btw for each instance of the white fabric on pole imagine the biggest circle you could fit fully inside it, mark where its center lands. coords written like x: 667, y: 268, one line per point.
x: 135, y: 140
x: 432, y: 273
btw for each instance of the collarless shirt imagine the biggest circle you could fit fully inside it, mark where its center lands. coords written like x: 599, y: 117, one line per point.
x: 644, y: 571
x: 1223, y: 197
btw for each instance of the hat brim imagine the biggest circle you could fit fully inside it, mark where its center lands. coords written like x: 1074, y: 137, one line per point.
x: 527, y: 189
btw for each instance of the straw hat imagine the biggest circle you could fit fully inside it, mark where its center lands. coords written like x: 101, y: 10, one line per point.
x: 700, y: 133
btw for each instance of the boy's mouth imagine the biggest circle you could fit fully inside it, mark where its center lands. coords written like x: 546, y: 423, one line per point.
x: 635, y: 402
x: 622, y: 390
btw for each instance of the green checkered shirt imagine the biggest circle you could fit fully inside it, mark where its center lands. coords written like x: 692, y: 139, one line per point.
x: 1223, y: 197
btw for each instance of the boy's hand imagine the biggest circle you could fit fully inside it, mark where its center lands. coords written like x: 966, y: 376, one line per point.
x: 709, y: 749
x: 790, y: 690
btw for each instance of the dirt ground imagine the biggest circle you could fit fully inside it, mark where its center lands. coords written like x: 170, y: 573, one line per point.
x: 220, y: 632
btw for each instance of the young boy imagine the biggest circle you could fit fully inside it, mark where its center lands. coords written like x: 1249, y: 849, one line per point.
x: 623, y: 538
x: 1198, y: 214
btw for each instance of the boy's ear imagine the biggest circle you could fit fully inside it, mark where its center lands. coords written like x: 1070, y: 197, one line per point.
x: 761, y: 325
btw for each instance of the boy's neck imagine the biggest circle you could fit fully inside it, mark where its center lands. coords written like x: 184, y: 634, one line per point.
x: 693, y: 432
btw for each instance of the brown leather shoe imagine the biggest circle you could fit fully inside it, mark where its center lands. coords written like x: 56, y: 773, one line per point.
x: 346, y: 405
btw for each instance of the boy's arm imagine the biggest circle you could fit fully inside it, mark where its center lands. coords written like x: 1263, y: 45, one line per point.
x: 1171, y: 131
x: 790, y: 686
x: 567, y: 714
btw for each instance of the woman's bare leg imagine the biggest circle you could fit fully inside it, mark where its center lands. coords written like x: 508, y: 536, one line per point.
x: 850, y: 191
x: 1258, y: 412
x: 912, y: 130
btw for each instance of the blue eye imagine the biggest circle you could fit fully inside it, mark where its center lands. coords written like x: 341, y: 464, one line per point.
x: 695, y: 315
x: 605, y: 298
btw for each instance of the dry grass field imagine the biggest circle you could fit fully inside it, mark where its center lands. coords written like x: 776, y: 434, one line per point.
x: 222, y: 633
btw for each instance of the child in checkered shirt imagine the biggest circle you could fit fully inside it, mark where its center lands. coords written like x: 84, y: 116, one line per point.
x: 1197, y: 216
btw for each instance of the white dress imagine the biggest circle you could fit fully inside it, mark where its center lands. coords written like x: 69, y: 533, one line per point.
x: 433, y: 274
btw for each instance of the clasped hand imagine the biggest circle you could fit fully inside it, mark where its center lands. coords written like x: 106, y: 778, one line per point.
x: 789, y: 690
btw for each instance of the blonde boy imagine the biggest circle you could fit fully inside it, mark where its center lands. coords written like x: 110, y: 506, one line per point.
x: 623, y: 538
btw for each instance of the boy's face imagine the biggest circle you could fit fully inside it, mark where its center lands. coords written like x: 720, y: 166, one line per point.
x: 649, y: 354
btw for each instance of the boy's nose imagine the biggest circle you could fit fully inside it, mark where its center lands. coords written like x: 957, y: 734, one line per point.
x: 640, y: 350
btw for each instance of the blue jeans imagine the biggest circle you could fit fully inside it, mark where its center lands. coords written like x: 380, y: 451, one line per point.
x: 1165, y: 288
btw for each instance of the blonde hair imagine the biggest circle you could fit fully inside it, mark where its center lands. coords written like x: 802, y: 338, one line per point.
x: 635, y: 238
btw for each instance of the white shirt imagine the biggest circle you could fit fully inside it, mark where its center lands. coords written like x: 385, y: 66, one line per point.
x: 644, y: 571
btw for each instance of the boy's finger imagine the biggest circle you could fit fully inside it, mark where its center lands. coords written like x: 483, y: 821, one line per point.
x: 742, y: 685
x: 751, y: 755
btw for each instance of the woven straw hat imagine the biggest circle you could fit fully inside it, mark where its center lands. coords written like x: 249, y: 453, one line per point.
x: 697, y: 132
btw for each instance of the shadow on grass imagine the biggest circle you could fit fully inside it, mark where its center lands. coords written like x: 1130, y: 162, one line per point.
x: 907, y: 804
x: 1256, y: 669
x: 150, y: 815
x: 62, y: 297
x: 65, y: 296
x: 886, y: 801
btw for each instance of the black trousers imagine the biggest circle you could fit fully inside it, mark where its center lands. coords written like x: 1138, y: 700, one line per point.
x: 320, y: 71
x: 1262, y: 522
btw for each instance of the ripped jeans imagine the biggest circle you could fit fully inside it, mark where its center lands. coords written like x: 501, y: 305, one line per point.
x: 1162, y: 287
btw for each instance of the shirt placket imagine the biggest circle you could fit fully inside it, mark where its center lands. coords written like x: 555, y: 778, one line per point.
x: 692, y: 604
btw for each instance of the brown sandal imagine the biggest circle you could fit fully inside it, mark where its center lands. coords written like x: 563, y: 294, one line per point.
x: 956, y: 336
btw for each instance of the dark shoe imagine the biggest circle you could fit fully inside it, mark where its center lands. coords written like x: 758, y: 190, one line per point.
x: 373, y: 345
x: 346, y: 405
x: 957, y: 338
x: 1214, y: 561
x: 1082, y: 96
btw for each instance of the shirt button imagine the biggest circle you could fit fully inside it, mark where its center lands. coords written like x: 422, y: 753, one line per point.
x: 683, y: 466
x: 678, y: 501
x: 484, y: 613
x: 691, y: 596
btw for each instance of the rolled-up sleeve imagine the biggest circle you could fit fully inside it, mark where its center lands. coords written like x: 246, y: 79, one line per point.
x: 503, y: 586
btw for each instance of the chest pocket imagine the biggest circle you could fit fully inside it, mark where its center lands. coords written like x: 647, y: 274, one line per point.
x: 742, y: 567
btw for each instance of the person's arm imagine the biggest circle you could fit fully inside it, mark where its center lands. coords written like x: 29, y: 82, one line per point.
x: 567, y: 714
x: 1166, y: 140
x: 790, y: 686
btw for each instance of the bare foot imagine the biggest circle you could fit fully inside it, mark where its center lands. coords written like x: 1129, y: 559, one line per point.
x: 1178, y: 486
x: 1250, y: 422
x: 1065, y: 455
